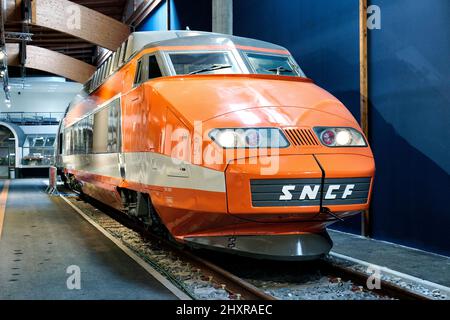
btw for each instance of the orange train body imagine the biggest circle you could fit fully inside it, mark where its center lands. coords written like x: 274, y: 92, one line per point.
x: 269, y: 202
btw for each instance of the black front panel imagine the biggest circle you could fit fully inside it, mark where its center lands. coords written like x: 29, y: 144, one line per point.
x: 307, y: 192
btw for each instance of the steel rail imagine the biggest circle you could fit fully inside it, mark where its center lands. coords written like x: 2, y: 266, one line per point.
x: 386, y: 288
x: 237, y: 288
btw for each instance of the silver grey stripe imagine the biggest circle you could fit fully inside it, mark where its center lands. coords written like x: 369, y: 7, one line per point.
x: 150, y: 169
x: 102, y: 164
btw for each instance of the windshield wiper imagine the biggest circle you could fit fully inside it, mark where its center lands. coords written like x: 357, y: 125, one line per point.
x: 280, y: 69
x: 212, y: 67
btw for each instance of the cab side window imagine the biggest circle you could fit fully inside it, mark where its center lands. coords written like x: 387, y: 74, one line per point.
x: 139, y: 74
x: 147, y: 68
x: 153, y: 68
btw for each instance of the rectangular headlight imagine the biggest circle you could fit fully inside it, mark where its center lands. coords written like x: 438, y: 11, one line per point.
x: 340, y: 137
x: 232, y: 138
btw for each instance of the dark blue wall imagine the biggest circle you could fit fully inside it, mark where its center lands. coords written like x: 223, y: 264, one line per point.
x: 322, y: 35
x: 410, y: 123
x: 409, y: 96
x: 157, y: 20
x: 195, y: 14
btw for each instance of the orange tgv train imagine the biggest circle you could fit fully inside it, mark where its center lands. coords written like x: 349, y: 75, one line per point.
x: 222, y: 142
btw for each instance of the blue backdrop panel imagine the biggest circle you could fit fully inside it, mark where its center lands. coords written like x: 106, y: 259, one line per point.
x: 409, y: 96
x: 156, y: 21
x: 323, y: 37
x: 195, y: 14
x: 410, y: 123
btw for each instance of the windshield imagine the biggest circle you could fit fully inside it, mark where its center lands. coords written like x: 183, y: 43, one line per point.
x: 204, y: 63
x: 274, y: 64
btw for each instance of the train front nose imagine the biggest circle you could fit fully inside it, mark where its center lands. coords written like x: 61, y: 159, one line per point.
x: 280, y: 201
x: 284, y: 188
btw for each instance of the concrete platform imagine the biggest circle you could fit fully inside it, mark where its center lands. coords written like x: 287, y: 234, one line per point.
x: 417, y: 263
x: 42, y: 236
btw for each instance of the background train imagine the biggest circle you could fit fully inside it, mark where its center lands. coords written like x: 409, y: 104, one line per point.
x: 221, y: 141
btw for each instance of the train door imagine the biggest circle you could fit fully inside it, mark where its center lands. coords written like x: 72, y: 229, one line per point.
x: 132, y: 103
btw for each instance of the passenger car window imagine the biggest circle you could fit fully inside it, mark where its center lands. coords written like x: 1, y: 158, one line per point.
x: 90, y: 134
x: 153, y: 68
x: 204, y: 63
x: 273, y: 64
x: 114, y: 126
x: 100, y: 143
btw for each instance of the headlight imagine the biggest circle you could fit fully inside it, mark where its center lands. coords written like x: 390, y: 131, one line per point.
x: 249, y: 138
x: 340, y: 137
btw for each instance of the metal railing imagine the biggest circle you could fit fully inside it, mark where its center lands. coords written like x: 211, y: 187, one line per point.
x: 32, y: 118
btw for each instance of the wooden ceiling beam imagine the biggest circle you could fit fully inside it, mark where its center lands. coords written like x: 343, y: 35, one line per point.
x: 142, y: 11
x: 68, y: 46
x: 72, y: 19
x: 79, y: 21
x: 52, y: 62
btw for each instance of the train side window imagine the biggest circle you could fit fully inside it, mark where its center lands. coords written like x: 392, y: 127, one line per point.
x: 113, y: 62
x: 60, y: 140
x: 84, y: 135
x: 109, y: 66
x: 102, y: 77
x: 97, y: 78
x: 139, y: 74
x: 106, y: 69
x: 79, y: 138
x: 78, y: 147
x: 76, y: 142
x: 119, y: 55
x: 153, y: 68
x: 67, y: 142
x: 100, y: 142
x: 103, y: 130
x: 94, y: 80
x: 122, y: 53
x: 114, y: 126
x: 72, y: 140
x: 90, y: 134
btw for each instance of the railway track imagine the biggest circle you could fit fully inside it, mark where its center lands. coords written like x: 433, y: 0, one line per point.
x: 237, y: 287
x: 216, y: 277
x: 386, y: 288
x: 319, y: 280
x: 219, y: 279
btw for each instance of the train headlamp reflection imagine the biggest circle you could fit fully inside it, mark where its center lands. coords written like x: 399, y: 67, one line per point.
x: 340, y: 137
x: 249, y: 138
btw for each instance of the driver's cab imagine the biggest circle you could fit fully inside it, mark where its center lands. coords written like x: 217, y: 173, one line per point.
x: 191, y: 53
x: 234, y: 61
x: 175, y: 53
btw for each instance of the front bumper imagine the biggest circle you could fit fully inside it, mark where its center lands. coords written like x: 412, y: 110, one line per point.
x: 299, y: 247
